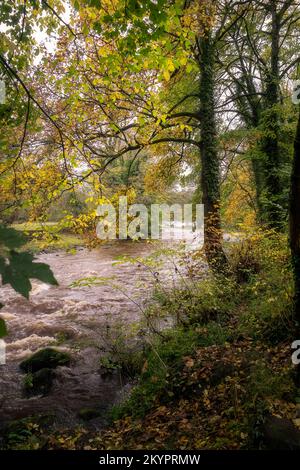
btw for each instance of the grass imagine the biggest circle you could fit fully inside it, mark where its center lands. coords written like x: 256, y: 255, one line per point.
x: 34, y: 226
x: 65, y: 242
x: 48, y: 237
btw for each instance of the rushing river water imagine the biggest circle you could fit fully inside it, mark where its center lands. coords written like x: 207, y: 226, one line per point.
x: 74, y: 319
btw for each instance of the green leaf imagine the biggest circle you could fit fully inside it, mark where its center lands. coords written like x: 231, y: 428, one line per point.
x: 2, y: 265
x: 11, y: 238
x: 21, y: 269
x: 17, y: 280
x: 3, y: 329
x: 42, y: 272
x: 95, y: 3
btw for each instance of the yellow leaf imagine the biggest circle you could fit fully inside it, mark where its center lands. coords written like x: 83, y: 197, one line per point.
x: 167, y: 75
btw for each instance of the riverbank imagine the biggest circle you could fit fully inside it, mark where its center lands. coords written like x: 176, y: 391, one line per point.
x: 48, y: 238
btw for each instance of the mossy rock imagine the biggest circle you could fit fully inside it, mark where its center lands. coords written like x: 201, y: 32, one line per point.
x: 281, y: 434
x: 47, y: 358
x: 86, y: 414
x: 38, y: 383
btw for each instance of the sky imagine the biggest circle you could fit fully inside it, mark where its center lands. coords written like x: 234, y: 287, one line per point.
x: 50, y: 42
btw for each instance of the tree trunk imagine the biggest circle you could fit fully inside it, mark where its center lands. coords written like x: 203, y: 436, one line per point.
x: 272, y: 209
x: 210, y: 165
x: 295, y: 220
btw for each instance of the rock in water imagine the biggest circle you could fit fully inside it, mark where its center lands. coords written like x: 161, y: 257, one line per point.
x: 87, y: 414
x: 38, y: 383
x: 47, y: 358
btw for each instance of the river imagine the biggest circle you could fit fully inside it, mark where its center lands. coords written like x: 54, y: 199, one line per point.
x: 74, y: 319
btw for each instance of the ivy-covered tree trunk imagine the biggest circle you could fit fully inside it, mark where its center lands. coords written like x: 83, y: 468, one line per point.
x: 272, y: 207
x: 210, y: 165
x: 295, y: 220
x: 250, y: 109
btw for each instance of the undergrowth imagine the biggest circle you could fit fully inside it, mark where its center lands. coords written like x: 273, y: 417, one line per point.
x: 251, y: 311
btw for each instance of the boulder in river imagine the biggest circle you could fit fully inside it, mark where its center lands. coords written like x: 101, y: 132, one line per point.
x: 47, y: 358
x: 87, y: 414
x: 39, y: 383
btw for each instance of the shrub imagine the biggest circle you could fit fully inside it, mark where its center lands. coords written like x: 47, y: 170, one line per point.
x: 244, y: 260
